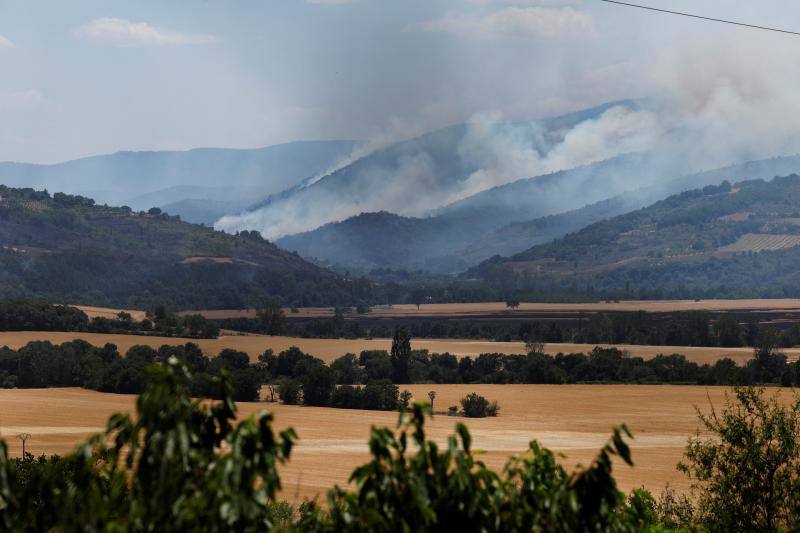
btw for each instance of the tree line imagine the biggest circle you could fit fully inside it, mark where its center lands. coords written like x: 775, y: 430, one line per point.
x: 38, y: 315
x: 370, y: 380
x: 77, y: 363
x: 180, y: 464
x: 685, y: 328
x: 600, y: 365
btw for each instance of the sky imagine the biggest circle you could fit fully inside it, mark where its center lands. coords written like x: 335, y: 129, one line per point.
x: 88, y: 77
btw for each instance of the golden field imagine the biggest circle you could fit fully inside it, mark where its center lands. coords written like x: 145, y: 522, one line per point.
x: 573, y: 419
x: 483, y: 308
x: 106, y: 312
x: 330, y: 349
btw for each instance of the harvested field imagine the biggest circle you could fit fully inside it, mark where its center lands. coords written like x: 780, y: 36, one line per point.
x: 741, y: 216
x: 330, y: 349
x: 467, y: 310
x: 574, y: 419
x: 106, y: 312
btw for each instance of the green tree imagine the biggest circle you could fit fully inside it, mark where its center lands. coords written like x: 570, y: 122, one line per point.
x: 418, y: 297
x: 432, y: 397
x: 377, y: 364
x: 271, y: 318
x: 318, y: 382
x: 747, y: 471
x: 289, y: 391
x: 347, y: 370
x: 404, y: 400
x: 727, y: 331
x: 401, y: 355
x: 380, y: 395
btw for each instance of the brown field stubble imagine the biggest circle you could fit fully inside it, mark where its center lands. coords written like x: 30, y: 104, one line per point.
x: 482, y: 308
x: 573, y: 419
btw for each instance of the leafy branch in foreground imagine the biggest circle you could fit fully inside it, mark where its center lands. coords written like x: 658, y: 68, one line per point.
x: 747, y: 472
x: 179, y: 465
x: 432, y: 488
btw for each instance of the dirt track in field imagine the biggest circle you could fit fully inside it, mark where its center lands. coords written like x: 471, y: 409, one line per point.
x: 330, y: 349
x: 574, y: 419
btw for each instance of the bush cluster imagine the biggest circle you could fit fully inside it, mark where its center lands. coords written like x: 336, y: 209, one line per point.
x: 474, y: 405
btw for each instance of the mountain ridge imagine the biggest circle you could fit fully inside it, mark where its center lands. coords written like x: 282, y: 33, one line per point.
x: 122, y: 176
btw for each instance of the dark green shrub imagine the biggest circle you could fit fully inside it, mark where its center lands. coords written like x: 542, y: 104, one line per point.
x: 474, y: 406
x: 347, y: 370
x: 380, y: 395
x: 289, y: 391
x: 747, y: 471
x: 346, y: 397
x: 318, y: 383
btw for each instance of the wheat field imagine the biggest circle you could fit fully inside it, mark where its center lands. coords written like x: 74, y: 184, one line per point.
x: 573, y: 419
x: 330, y: 349
x: 500, y: 308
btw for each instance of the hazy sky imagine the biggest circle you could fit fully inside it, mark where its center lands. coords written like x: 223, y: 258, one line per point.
x: 87, y: 77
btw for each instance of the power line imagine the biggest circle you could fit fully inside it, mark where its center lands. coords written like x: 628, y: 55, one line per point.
x: 701, y: 17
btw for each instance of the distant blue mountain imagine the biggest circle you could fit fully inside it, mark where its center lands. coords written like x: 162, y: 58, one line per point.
x: 121, y: 177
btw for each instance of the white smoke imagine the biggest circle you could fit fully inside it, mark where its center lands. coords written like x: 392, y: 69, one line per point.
x: 504, y: 153
x: 706, y: 107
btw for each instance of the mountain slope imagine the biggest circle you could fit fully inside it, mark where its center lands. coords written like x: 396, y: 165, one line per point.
x: 723, y: 241
x: 433, y: 243
x: 413, y: 177
x: 65, y: 248
x: 123, y: 176
x: 518, y: 236
x: 467, y: 233
x: 370, y: 240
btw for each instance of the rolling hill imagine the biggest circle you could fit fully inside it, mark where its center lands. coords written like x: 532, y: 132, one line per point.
x: 124, y: 177
x: 724, y: 241
x: 65, y: 248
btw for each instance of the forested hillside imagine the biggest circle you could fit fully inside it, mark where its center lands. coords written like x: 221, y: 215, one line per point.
x: 65, y: 248
x: 508, y: 219
x: 740, y: 240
